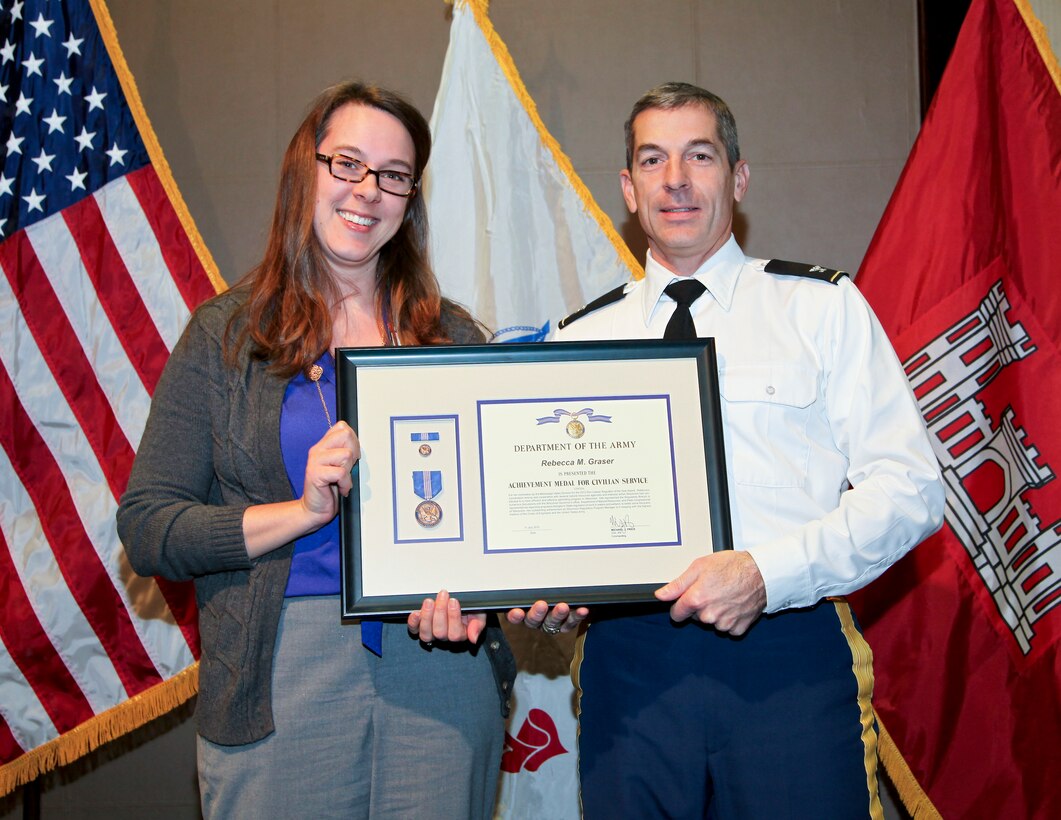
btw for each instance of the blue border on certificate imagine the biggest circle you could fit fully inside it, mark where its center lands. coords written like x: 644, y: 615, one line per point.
x: 578, y: 400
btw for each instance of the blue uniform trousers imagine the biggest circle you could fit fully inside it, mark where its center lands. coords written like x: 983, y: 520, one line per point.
x: 680, y: 721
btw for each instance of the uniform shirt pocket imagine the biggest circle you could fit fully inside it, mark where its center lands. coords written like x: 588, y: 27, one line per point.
x: 767, y: 409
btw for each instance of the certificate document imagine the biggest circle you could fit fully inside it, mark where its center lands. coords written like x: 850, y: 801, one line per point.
x: 585, y: 472
x: 594, y: 471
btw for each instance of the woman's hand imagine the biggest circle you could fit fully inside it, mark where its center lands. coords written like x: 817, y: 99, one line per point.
x: 441, y: 619
x: 328, y: 469
x: 268, y: 526
x: 562, y: 618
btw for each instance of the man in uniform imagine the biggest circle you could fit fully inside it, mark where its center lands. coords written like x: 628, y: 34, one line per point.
x: 749, y: 696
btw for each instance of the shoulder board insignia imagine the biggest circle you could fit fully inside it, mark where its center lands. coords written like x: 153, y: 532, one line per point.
x: 611, y: 296
x: 807, y: 271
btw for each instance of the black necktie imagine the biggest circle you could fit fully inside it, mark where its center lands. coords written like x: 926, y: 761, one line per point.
x: 684, y: 292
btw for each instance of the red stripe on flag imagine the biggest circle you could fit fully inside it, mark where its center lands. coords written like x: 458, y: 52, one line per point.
x: 1036, y: 578
x: 74, y: 553
x: 181, y: 259
x: 33, y: 652
x: 989, y: 374
x: 975, y: 352
x: 117, y: 292
x: 964, y: 330
x: 59, y: 346
x: 180, y: 598
x: 928, y: 385
x: 962, y: 446
x: 1022, y: 558
x: 1014, y: 539
x: 955, y: 427
x: 915, y: 365
x: 940, y: 408
x: 9, y: 748
x: 1046, y: 602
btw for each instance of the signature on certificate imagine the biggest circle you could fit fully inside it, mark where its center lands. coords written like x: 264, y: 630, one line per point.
x: 621, y: 525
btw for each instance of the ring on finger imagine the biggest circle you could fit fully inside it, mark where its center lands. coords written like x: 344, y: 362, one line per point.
x: 549, y: 629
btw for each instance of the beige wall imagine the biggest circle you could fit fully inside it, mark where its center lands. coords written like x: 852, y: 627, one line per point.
x: 824, y: 93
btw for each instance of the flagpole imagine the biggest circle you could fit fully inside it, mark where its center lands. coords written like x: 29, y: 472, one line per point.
x: 31, y: 800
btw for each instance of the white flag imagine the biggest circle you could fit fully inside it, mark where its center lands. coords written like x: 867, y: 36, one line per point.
x: 515, y: 234
x: 539, y: 769
x: 518, y: 239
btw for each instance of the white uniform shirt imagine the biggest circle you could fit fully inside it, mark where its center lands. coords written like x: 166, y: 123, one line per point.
x: 831, y: 475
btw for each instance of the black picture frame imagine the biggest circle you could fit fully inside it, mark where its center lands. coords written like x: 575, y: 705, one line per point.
x: 374, y: 382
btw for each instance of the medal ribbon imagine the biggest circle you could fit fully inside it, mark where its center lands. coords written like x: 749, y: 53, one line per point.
x: 423, y: 437
x: 585, y: 411
x: 427, y: 483
x: 392, y: 339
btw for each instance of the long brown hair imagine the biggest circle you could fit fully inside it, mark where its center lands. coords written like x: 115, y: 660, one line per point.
x: 291, y: 293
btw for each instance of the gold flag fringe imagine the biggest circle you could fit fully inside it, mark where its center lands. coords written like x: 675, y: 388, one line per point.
x: 106, y: 726
x: 910, y: 792
x: 154, y: 149
x: 504, y: 58
x: 1041, y: 38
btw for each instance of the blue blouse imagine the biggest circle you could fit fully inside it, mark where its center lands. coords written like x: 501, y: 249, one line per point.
x: 315, y: 563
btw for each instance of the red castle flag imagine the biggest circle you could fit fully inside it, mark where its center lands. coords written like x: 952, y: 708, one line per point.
x: 100, y: 266
x: 963, y: 273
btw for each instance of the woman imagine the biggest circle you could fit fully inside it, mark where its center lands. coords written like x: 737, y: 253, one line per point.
x: 236, y: 485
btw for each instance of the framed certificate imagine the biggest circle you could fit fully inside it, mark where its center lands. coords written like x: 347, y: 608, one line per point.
x: 585, y: 472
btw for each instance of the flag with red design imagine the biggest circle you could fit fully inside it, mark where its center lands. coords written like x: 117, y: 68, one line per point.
x: 100, y: 269
x: 537, y: 741
x: 539, y: 773
x: 962, y: 272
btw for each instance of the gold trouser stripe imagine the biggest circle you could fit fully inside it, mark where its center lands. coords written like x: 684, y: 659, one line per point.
x: 576, y: 680
x: 862, y: 666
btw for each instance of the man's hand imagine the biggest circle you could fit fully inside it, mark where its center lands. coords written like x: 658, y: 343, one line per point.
x: 562, y: 618
x: 724, y: 590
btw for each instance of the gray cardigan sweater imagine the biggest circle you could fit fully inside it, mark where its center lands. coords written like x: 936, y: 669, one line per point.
x: 211, y: 448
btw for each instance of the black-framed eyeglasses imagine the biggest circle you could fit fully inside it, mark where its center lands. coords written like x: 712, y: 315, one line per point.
x: 349, y: 169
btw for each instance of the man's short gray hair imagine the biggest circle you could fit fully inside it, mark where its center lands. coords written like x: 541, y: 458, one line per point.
x: 678, y: 95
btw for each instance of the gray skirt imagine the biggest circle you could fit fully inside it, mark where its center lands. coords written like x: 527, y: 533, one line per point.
x: 415, y: 733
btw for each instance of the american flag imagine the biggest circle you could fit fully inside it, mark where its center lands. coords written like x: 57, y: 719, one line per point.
x: 101, y: 266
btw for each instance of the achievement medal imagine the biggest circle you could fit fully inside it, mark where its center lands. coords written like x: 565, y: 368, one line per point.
x: 427, y: 484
